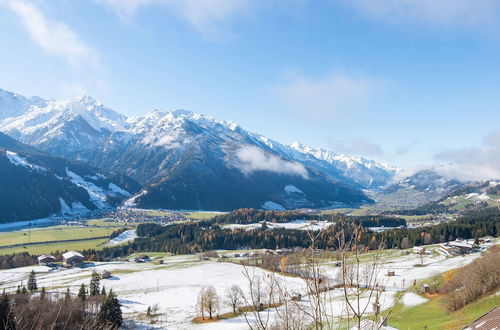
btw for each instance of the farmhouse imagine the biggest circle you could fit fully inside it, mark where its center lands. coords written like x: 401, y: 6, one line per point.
x: 46, y: 260
x: 105, y: 274
x: 72, y: 259
x: 418, y: 249
x: 490, y: 320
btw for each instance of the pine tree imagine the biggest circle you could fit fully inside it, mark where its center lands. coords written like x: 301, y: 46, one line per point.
x: 82, y: 293
x: 24, y: 290
x: 32, y: 286
x: 18, y: 290
x: 94, y: 284
x: 7, y: 320
x: 110, y: 313
x: 103, y: 291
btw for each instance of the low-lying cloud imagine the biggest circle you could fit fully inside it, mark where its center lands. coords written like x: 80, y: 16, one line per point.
x: 474, y: 163
x: 253, y: 159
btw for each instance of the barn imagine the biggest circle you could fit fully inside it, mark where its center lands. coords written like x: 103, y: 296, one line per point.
x: 72, y: 259
x: 46, y: 260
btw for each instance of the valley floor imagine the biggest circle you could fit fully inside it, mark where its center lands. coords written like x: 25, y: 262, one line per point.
x: 174, y: 286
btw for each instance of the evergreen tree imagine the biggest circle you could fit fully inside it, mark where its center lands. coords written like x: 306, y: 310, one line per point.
x: 103, y: 291
x: 18, y: 290
x: 7, y: 321
x: 94, y: 284
x: 82, y: 293
x: 110, y: 313
x: 24, y: 290
x: 32, y: 286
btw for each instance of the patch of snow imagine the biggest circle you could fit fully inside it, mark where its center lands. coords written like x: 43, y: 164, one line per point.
x: 65, y: 209
x: 17, y: 160
x: 269, y: 205
x: 413, y: 299
x: 290, y: 189
x: 115, y: 189
x: 126, y: 236
x: 483, y: 197
x: 97, y: 195
x: 130, y: 203
x: 295, y: 224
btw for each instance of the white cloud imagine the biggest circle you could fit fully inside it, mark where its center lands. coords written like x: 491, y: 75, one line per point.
x: 334, y: 94
x: 437, y: 13
x: 475, y: 163
x: 254, y: 159
x: 55, y: 38
x: 205, y: 15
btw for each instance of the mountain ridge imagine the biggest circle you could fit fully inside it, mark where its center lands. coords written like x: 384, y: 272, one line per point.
x: 159, y: 148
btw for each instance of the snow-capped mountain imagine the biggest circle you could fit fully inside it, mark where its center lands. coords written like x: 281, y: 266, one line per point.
x: 365, y: 172
x: 180, y: 157
x: 13, y: 105
x: 63, y: 127
x: 36, y: 185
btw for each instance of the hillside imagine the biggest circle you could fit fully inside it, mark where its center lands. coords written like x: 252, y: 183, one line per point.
x: 36, y: 185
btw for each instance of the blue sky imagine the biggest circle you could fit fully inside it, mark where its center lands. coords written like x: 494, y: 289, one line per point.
x: 410, y: 82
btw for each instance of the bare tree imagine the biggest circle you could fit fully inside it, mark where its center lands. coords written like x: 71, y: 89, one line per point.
x: 208, y: 301
x: 234, y: 298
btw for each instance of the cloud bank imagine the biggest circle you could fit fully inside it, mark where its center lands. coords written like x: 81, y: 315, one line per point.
x: 475, y: 163
x: 254, y: 159
x: 54, y: 37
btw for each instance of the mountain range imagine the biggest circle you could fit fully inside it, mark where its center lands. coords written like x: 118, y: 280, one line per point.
x: 184, y: 160
x: 35, y: 185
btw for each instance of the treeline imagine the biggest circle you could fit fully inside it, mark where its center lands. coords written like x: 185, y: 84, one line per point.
x: 246, y: 216
x: 205, y: 236
x: 17, y: 260
x: 44, y: 310
x: 479, y: 278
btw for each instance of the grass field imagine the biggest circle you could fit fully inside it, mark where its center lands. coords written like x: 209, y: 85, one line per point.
x: 202, y: 215
x: 50, y: 234
x: 44, y: 248
x: 433, y: 315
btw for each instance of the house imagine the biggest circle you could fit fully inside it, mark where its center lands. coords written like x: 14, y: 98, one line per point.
x: 490, y: 320
x: 105, y: 274
x: 419, y: 250
x: 46, y: 260
x: 296, y: 297
x: 72, y: 259
x: 391, y: 273
x: 367, y: 324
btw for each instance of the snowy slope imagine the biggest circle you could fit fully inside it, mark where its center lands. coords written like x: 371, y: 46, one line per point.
x: 36, y: 185
x: 183, y: 155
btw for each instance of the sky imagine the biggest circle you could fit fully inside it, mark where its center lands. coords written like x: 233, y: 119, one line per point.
x: 408, y: 82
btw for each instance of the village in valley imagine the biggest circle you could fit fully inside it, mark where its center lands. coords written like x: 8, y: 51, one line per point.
x: 145, y: 282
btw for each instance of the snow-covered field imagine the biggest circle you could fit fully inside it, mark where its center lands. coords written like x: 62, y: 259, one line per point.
x: 126, y: 236
x: 295, y: 224
x: 174, y: 286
